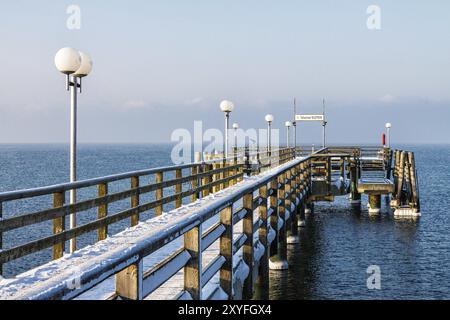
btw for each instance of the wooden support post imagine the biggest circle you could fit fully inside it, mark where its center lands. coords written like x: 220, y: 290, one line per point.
x: 258, y: 161
x: 193, y: 268
x: 293, y: 237
x: 396, y: 172
x: 407, y: 196
x: 226, y: 250
x: 129, y: 282
x: 328, y: 174
x: 414, y: 186
x: 237, y: 161
x: 196, y: 169
x: 205, y: 180
x: 247, y: 250
x: 102, y: 211
x: 280, y: 261
x: 159, y: 193
x: 273, y: 204
x: 194, y: 183
x: 134, y: 201
x: 400, y: 178
x: 178, y: 189
x: 58, y: 224
x: 389, y: 163
x: 356, y: 196
x: 226, y: 184
x: 263, y: 274
x: 214, y: 178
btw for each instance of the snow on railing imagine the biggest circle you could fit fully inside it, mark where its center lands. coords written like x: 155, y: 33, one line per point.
x: 266, y: 206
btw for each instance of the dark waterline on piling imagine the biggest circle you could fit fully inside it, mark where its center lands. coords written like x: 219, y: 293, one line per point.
x: 337, y: 245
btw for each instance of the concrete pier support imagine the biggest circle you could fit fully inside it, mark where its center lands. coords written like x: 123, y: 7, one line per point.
x: 309, y: 207
x: 374, y: 203
x: 355, y: 196
x: 301, y: 214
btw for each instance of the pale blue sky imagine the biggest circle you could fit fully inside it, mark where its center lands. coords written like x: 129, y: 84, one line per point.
x: 160, y: 65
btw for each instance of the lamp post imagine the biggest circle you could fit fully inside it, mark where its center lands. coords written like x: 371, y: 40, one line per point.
x: 288, y: 125
x: 75, y: 65
x: 235, y: 127
x: 269, y: 120
x: 388, y: 128
x: 226, y: 107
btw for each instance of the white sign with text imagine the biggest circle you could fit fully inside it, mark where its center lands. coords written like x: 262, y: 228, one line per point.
x: 309, y: 117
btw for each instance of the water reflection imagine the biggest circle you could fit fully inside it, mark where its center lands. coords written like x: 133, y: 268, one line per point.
x: 337, y: 246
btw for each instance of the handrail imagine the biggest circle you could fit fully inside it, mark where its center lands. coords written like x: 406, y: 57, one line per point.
x: 203, y: 178
x: 133, y: 282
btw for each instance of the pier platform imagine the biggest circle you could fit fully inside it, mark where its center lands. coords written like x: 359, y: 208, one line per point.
x: 231, y: 222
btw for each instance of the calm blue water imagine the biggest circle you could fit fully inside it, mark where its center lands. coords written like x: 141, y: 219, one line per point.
x: 337, y: 245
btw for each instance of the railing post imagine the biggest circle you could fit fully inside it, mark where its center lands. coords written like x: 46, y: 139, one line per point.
x: 302, y: 182
x: 293, y: 236
x: 58, y: 224
x: 273, y: 204
x: 226, y: 184
x: 247, y: 250
x: 129, y: 282
x: 263, y: 274
x: 258, y: 160
x: 215, y: 177
x: 247, y: 170
x: 226, y: 250
x: 193, y: 268
x: 159, y: 193
x: 194, y: 183
x: 134, y: 200
x: 205, y: 180
x: 102, y: 211
x: 235, y: 170
x: 178, y: 188
x: 279, y: 262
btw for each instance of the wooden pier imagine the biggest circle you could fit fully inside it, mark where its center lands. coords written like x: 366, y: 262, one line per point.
x: 217, y: 226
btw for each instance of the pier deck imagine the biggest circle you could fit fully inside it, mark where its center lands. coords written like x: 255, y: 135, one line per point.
x: 232, y: 222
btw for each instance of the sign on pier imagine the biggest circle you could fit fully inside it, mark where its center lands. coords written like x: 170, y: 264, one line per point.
x: 309, y: 117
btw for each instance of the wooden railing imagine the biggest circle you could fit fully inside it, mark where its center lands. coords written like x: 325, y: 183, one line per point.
x: 406, y: 191
x: 173, y: 185
x: 277, y: 197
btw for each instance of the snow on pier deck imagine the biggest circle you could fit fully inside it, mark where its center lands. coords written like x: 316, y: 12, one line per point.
x: 43, y: 281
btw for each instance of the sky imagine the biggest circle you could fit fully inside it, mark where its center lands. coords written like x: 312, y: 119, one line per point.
x: 161, y: 65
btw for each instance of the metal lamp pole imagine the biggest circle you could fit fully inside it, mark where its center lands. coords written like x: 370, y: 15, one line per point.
x: 227, y: 125
x: 75, y: 65
x: 73, y: 153
x: 288, y: 125
x: 388, y: 128
x: 269, y: 120
x: 294, y: 124
x: 226, y: 106
x: 235, y: 127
